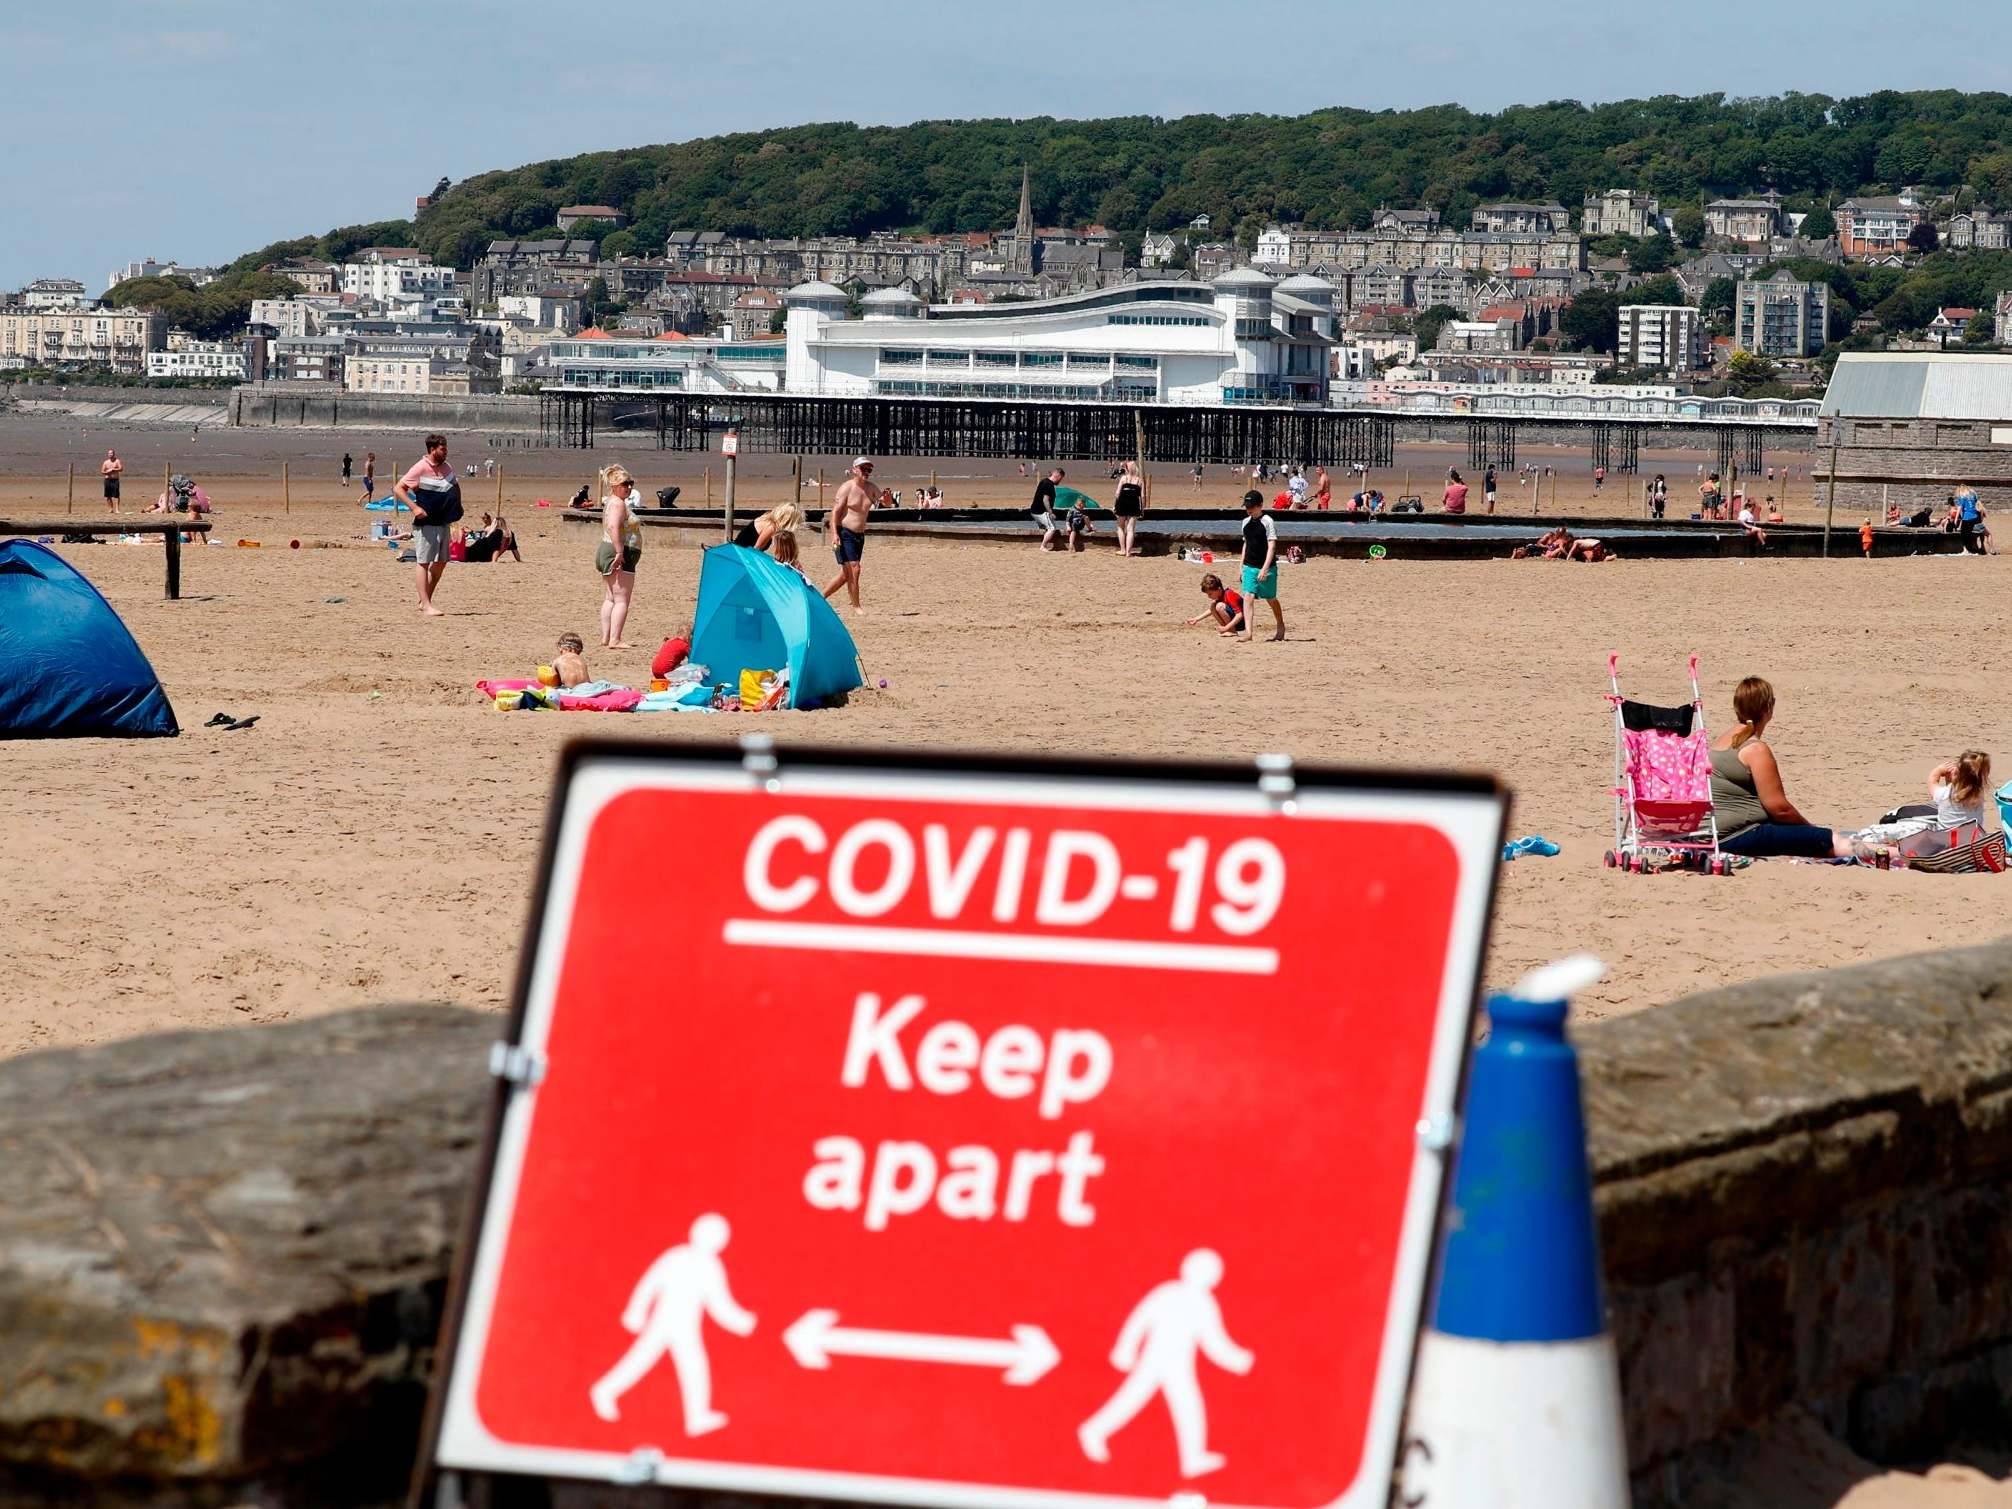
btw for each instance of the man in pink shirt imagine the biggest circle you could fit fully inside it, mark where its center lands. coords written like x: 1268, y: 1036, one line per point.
x: 434, y: 496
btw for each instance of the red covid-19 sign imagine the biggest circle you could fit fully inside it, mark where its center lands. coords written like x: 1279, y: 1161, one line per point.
x: 974, y: 1135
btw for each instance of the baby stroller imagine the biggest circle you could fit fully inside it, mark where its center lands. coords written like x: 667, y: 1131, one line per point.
x: 1662, y: 784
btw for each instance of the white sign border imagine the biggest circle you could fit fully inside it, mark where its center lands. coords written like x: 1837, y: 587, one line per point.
x: 1471, y: 820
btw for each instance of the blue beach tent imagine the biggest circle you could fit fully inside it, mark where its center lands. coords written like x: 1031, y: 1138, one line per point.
x: 754, y: 614
x: 68, y: 665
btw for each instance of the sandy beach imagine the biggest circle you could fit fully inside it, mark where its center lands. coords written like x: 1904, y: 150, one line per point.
x: 371, y: 839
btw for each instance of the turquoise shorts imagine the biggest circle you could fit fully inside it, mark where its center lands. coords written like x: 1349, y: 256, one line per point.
x: 1261, y: 586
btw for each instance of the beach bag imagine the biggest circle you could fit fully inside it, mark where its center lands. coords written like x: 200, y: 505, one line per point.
x: 1970, y: 851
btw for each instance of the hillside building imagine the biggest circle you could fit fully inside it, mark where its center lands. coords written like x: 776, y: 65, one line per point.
x: 1877, y: 225
x: 1621, y: 212
x: 1668, y: 337
x: 1781, y: 317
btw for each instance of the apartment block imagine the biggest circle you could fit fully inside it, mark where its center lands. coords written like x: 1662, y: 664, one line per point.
x: 1781, y: 316
x: 1667, y: 336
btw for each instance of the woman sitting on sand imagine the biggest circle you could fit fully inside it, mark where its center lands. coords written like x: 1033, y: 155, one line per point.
x: 1755, y: 816
x: 761, y: 533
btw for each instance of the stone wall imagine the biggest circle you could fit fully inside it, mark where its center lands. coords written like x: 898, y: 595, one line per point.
x: 222, y: 1255
x: 321, y: 406
x: 1912, y: 461
x: 1805, y: 1196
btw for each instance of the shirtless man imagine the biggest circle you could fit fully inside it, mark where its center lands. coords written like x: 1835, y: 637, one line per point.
x: 845, y: 525
x: 111, y: 469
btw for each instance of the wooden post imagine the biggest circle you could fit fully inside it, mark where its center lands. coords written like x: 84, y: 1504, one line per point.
x: 709, y: 487
x: 286, y: 486
x: 728, y: 521
x: 499, y: 489
x: 71, y: 507
x: 174, y: 540
x: 797, y: 471
x: 1830, y: 507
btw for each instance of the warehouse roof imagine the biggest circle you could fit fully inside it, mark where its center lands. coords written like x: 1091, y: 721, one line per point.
x: 1920, y: 385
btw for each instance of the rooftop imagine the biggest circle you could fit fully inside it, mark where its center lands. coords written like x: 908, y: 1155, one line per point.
x: 1920, y: 385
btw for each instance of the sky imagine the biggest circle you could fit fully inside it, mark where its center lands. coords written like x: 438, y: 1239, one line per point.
x: 197, y: 130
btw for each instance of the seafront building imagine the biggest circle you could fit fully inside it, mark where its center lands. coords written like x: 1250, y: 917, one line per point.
x: 1242, y: 338
x: 117, y: 340
x: 225, y: 360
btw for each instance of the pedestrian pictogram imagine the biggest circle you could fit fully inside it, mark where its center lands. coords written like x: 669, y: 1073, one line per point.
x: 999, y: 1135
x: 684, y: 1288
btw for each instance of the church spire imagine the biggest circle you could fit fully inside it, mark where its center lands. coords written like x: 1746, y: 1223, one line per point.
x: 1023, y: 228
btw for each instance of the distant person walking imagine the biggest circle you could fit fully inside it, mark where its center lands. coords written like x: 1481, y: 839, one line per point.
x: 1599, y: 478
x: 846, y: 530
x: 111, y: 469
x: 369, y: 475
x: 345, y: 468
x: 434, y: 496
x: 1659, y: 496
x: 1488, y: 486
x: 1323, y: 488
x: 1129, y: 504
x: 619, y: 553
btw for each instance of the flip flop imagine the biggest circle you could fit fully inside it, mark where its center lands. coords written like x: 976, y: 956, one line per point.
x: 233, y: 727
x: 217, y: 718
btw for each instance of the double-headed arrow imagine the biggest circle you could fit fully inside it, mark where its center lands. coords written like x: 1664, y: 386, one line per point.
x: 817, y: 1337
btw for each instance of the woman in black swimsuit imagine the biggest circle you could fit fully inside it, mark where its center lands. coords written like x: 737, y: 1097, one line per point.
x: 1131, y: 502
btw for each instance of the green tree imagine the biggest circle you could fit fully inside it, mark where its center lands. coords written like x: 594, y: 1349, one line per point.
x: 1748, y: 369
x: 1427, y: 324
x: 1979, y: 331
x: 1719, y: 297
x: 1688, y: 221
x: 1652, y: 254
x: 1818, y: 224
x: 777, y: 321
x: 1591, y: 322
x: 1663, y: 288
x: 1923, y: 238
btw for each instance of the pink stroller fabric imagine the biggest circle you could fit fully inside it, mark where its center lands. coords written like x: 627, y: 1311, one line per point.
x: 1672, y: 779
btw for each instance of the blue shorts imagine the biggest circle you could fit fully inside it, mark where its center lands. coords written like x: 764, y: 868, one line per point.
x: 1786, y: 840
x: 851, y: 545
x: 1265, y: 585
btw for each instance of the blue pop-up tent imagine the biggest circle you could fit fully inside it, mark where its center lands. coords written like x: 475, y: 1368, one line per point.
x: 754, y: 614
x: 68, y: 665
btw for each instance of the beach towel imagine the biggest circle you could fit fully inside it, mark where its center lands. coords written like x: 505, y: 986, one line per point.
x: 387, y: 505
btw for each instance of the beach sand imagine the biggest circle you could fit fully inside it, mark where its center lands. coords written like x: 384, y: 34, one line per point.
x: 372, y: 838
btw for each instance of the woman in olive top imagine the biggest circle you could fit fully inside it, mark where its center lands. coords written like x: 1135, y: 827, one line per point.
x: 1755, y: 816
